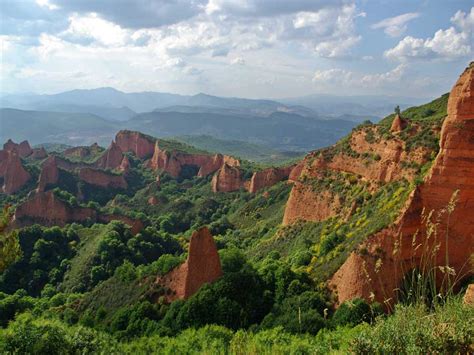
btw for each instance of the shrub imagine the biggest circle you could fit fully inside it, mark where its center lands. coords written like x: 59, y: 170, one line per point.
x: 355, y: 312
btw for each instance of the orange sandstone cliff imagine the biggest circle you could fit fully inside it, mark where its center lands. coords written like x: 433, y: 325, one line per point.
x: 12, y: 172
x: 111, y: 158
x: 202, y: 266
x: 391, y: 253
x: 49, y: 173
x: 174, y: 161
x: 102, y: 178
x: 227, y: 179
x: 268, y: 177
x: 23, y: 149
x: 138, y: 143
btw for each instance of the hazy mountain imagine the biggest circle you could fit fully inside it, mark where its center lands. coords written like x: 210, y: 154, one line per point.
x: 97, y: 101
x: 280, y: 131
x: 357, y: 105
x: 55, y: 127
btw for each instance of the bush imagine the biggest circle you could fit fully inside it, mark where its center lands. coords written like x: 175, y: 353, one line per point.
x: 355, y: 312
x: 415, y: 329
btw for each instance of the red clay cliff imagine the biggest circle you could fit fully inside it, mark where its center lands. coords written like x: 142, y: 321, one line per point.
x: 392, y: 252
x: 202, y: 266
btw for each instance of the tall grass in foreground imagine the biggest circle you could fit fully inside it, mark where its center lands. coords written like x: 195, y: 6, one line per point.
x: 428, y: 279
x: 417, y: 329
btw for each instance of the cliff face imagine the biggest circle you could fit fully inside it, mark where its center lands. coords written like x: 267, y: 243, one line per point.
x: 23, y: 149
x: 138, y: 143
x: 393, y: 251
x: 111, y: 158
x: 227, y: 179
x: 202, y: 266
x: 102, y: 179
x: 268, y: 177
x: 12, y: 172
x: 305, y: 204
x: 173, y: 161
x: 49, y: 173
x: 374, y: 160
x: 46, y: 209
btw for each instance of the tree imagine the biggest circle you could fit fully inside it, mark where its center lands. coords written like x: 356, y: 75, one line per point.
x: 10, y: 249
x: 397, y: 110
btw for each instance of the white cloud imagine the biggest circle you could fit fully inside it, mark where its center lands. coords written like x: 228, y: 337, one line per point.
x: 92, y: 28
x: 452, y: 43
x: 238, y: 61
x: 337, y: 77
x: 396, y: 26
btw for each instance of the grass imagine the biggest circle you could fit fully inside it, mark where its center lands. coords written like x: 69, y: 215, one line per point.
x: 77, y: 276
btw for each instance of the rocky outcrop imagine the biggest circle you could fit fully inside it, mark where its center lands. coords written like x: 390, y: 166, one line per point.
x: 140, y: 144
x: 202, y: 266
x: 47, y: 209
x: 227, y: 179
x: 173, y: 162
x: 12, y: 172
x: 447, y: 195
x: 111, y: 158
x: 23, y: 149
x: 102, y: 178
x: 268, y: 177
x: 398, y: 124
x: 308, y: 205
x: 49, y: 174
x: 374, y: 161
x: 124, y: 165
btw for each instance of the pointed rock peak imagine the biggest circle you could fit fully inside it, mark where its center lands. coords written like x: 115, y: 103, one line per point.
x: 398, y: 124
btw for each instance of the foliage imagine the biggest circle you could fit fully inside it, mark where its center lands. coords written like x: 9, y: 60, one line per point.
x: 10, y: 249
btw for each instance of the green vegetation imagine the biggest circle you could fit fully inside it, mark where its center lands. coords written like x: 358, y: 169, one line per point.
x: 92, y: 288
x: 244, y: 150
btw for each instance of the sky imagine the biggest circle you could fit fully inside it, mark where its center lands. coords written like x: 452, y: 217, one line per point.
x: 244, y: 48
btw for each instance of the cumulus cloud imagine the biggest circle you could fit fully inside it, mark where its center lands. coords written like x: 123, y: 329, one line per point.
x: 337, y: 77
x: 396, y: 26
x: 451, y: 43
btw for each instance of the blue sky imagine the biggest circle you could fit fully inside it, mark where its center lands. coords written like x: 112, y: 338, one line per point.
x: 246, y: 48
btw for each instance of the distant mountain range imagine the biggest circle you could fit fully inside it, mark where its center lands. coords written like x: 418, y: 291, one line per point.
x: 87, y: 116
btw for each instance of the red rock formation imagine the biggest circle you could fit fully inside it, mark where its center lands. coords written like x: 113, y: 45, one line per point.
x: 392, y: 252
x: 23, y: 149
x: 227, y: 179
x: 268, y: 177
x: 398, y: 124
x: 45, y: 208
x: 392, y: 164
x: 142, y: 145
x: 202, y: 266
x: 102, y: 178
x: 12, y: 171
x: 124, y: 165
x: 111, y: 158
x: 39, y: 153
x: 307, y: 205
x: 49, y: 173
x: 173, y: 161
